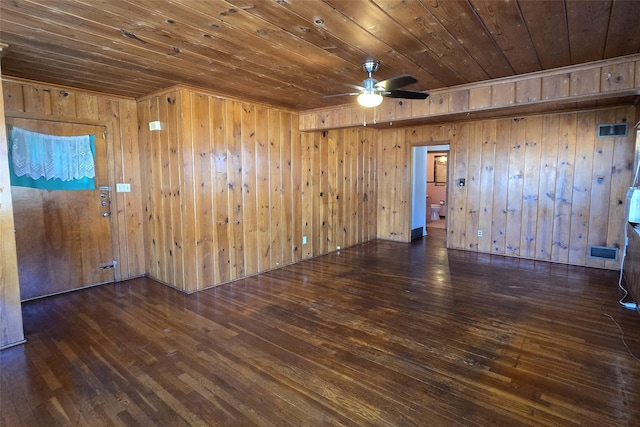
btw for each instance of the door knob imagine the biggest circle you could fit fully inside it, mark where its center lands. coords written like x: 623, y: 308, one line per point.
x: 106, y: 214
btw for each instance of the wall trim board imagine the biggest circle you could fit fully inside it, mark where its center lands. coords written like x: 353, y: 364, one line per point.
x: 597, y: 84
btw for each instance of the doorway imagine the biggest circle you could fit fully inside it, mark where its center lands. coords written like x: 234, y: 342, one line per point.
x: 429, y: 188
x: 63, y: 237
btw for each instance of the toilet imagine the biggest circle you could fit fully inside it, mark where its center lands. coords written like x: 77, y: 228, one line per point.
x: 435, y: 212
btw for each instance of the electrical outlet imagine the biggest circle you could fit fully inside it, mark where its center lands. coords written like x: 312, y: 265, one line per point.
x: 304, y: 240
x: 479, y: 233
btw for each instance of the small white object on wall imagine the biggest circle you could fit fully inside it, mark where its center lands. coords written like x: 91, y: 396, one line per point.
x: 123, y: 187
x: 155, y: 125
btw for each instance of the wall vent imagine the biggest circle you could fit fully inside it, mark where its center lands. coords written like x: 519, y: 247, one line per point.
x: 603, y: 252
x: 613, y: 130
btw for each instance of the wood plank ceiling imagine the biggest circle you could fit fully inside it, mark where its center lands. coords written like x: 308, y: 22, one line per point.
x: 291, y: 53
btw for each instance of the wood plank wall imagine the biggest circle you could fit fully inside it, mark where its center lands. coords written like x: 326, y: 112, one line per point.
x: 232, y: 188
x: 540, y: 187
x: 339, y: 191
x: 11, y: 331
x: 44, y: 102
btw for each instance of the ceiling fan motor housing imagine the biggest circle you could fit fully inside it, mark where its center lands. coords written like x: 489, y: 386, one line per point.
x: 370, y: 66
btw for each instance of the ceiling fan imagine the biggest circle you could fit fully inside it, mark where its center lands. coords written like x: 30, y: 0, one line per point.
x: 371, y: 92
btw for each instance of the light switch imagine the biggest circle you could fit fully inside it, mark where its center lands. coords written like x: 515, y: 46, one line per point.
x: 123, y: 187
x: 155, y: 125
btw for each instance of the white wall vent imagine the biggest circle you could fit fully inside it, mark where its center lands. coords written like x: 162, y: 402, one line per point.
x: 603, y: 252
x: 613, y: 130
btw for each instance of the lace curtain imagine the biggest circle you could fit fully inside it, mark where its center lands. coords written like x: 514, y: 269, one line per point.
x: 38, y: 155
x: 51, y: 162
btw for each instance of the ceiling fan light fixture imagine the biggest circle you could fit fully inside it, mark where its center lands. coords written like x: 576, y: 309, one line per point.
x: 369, y: 99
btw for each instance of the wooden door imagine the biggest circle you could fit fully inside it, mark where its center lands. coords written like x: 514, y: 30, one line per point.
x: 63, y: 238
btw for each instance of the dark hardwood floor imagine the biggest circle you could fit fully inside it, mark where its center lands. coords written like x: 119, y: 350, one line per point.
x: 380, y: 334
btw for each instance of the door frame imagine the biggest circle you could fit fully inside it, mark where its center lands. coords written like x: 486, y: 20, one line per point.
x: 450, y: 151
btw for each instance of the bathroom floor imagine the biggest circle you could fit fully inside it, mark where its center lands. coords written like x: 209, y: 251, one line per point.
x: 441, y: 223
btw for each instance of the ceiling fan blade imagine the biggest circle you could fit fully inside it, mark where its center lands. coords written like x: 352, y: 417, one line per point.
x: 396, y: 82
x: 406, y: 94
x: 342, y: 94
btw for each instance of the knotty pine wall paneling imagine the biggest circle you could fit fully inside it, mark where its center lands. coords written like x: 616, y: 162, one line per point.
x: 393, y: 211
x: 174, y: 176
x: 339, y: 184
x: 548, y: 177
x: 531, y: 180
x: 11, y: 328
x: 540, y: 187
x: 249, y: 185
x: 582, y: 180
x: 487, y: 170
x: 262, y: 189
x: 472, y: 219
x: 122, y: 120
x: 220, y: 177
x: 200, y: 148
x: 621, y: 174
x: 326, y: 234
x: 515, y: 187
x: 32, y: 100
x: 500, y: 185
x: 456, y: 200
x: 234, y: 174
x: 287, y: 142
x: 183, y: 250
x: 311, y: 171
x: 275, y: 225
x: 225, y: 195
x: 563, y: 201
